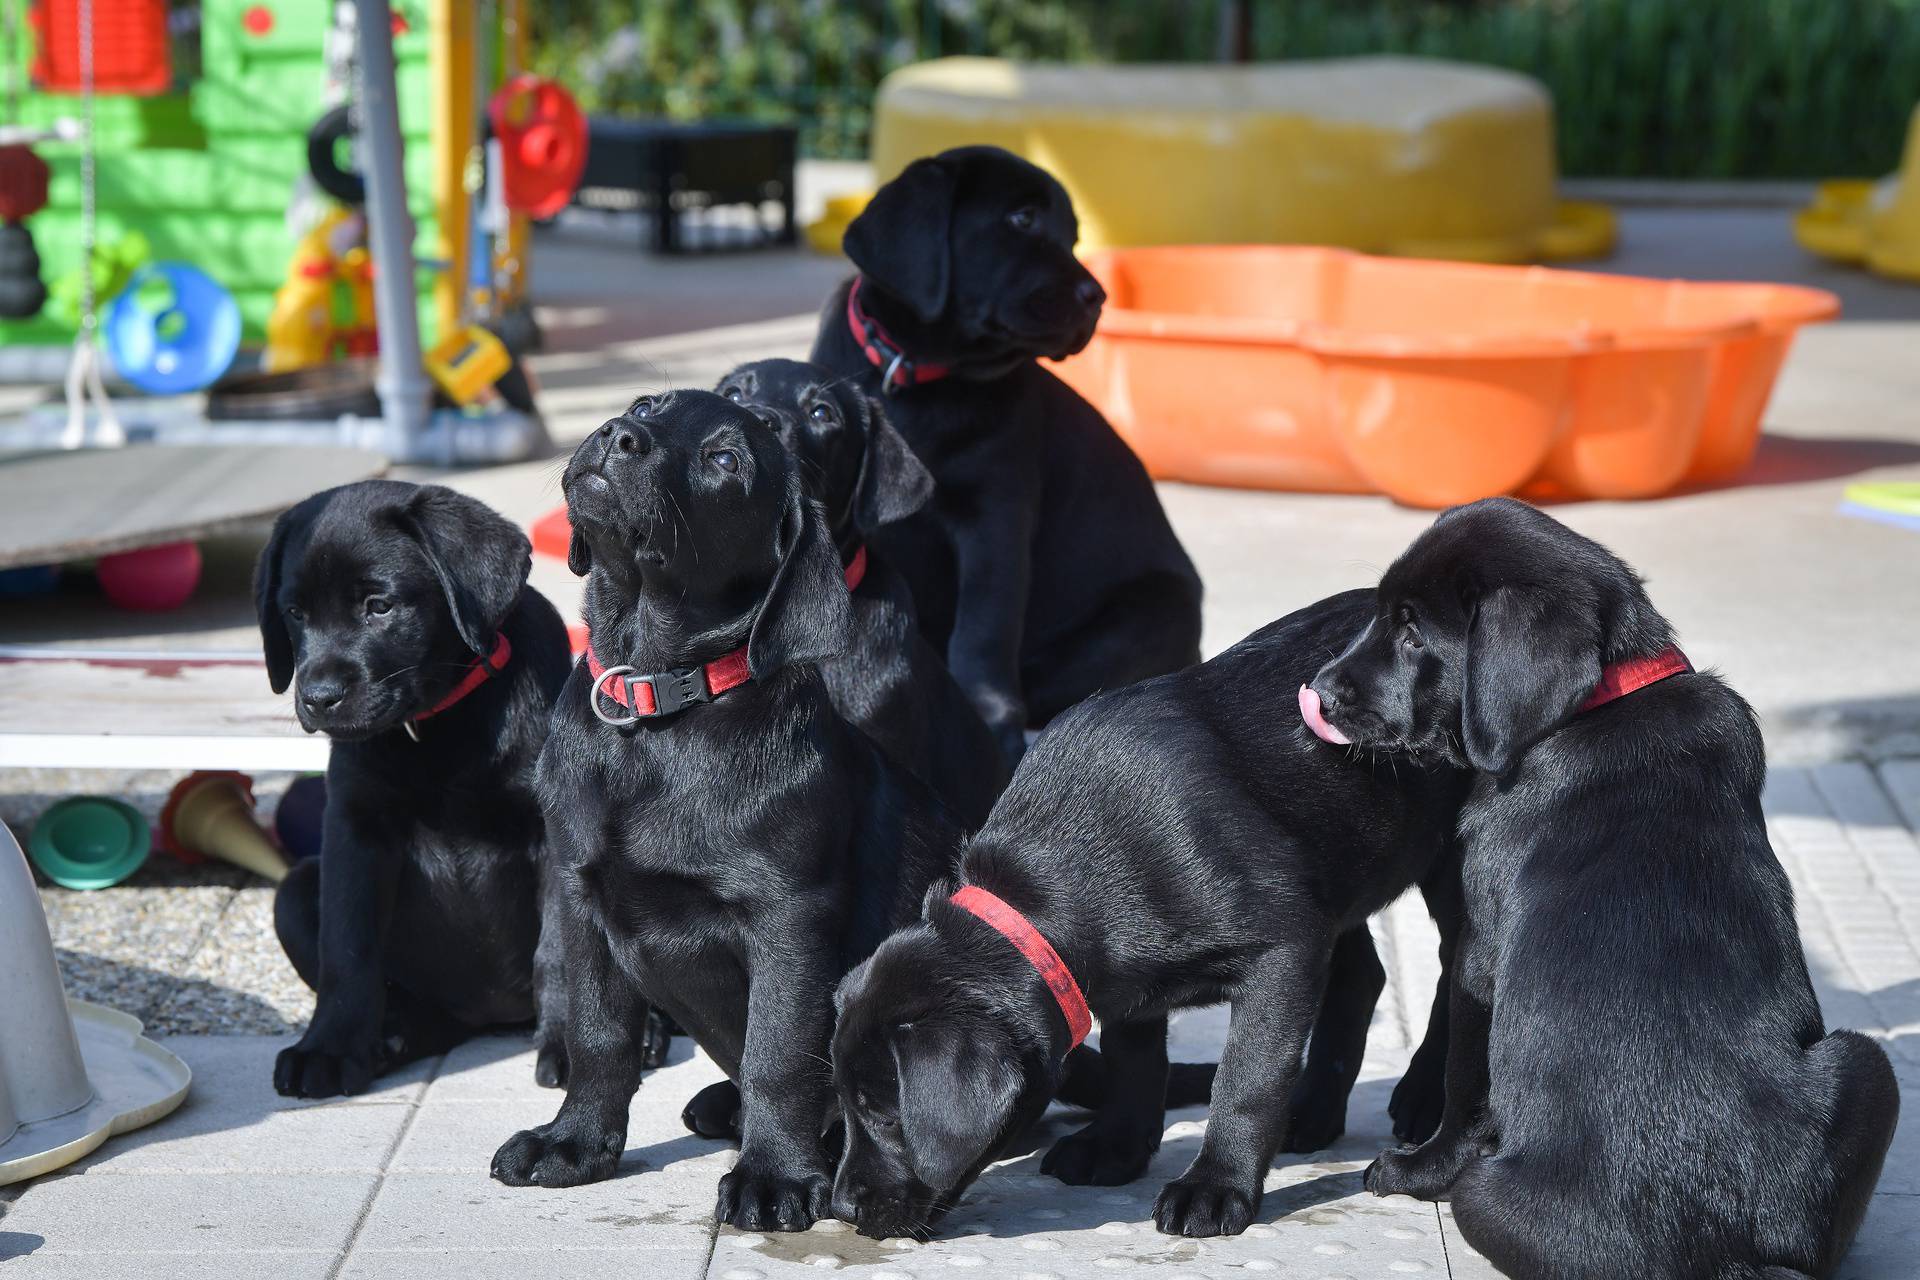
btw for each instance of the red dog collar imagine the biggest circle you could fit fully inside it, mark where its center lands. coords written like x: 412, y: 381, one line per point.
x: 883, y: 352
x: 856, y: 569
x: 482, y: 670
x: 1619, y: 679
x: 1053, y: 971
x: 665, y: 692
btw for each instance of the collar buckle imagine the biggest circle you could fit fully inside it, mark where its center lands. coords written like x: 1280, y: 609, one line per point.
x: 676, y: 690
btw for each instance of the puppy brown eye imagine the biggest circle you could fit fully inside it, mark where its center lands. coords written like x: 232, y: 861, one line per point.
x: 298, y: 615
x: 725, y: 459
x: 642, y: 407
x: 733, y: 394
x: 820, y: 413
x: 378, y: 606
x: 1023, y: 219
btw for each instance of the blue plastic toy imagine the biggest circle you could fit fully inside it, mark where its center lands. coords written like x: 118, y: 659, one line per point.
x: 173, y: 329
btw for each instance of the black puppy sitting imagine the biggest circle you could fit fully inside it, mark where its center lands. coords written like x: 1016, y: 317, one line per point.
x: 1175, y: 843
x: 402, y: 616
x: 1045, y: 566
x: 889, y: 681
x: 725, y: 844
x: 1639, y: 1082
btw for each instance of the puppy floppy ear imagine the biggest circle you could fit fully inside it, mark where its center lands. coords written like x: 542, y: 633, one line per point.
x: 893, y: 482
x: 268, y: 574
x: 1532, y: 659
x: 956, y: 1088
x: 899, y: 241
x: 807, y: 614
x: 579, y: 556
x: 480, y: 558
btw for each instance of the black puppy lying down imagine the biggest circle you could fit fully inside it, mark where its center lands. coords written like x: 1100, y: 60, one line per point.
x: 725, y: 845
x: 1044, y: 565
x: 402, y: 616
x: 889, y: 681
x: 1175, y: 843
x: 1639, y: 1082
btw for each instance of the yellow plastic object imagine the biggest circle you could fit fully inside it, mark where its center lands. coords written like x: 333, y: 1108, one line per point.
x: 466, y: 362
x: 302, y: 330
x: 1876, y: 224
x: 1408, y: 156
x: 824, y: 232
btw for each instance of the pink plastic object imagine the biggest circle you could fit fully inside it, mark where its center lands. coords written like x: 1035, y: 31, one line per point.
x: 152, y: 579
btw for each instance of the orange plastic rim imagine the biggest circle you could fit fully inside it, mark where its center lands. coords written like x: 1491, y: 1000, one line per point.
x: 1434, y: 382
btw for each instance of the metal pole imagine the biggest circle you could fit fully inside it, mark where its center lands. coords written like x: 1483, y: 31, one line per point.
x: 405, y: 393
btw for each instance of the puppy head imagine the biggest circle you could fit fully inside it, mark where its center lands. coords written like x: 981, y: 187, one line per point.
x: 936, y: 1065
x: 851, y: 459
x: 1491, y: 630
x: 980, y: 242
x: 690, y: 500
x: 375, y: 598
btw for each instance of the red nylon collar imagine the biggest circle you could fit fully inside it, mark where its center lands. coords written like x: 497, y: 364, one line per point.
x: 665, y: 692
x: 1053, y: 971
x: 882, y: 352
x: 856, y: 569
x: 478, y: 674
x: 1619, y: 679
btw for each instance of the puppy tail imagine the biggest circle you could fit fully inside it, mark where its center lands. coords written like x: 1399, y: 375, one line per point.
x: 1087, y: 1080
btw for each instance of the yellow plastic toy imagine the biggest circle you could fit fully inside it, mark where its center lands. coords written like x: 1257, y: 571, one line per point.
x: 1409, y: 156
x: 467, y: 362
x: 329, y: 261
x: 1875, y: 224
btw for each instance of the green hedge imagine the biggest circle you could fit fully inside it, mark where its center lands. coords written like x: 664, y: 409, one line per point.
x: 1643, y: 88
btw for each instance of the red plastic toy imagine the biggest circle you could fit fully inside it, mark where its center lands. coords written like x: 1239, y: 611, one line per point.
x: 151, y: 579
x: 129, y: 46
x: 543, y: 144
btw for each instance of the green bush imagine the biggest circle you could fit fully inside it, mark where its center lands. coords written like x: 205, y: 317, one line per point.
x: 1642, y: 88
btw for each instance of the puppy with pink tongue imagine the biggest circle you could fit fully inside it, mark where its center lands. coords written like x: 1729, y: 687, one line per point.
x: 1310, y: 712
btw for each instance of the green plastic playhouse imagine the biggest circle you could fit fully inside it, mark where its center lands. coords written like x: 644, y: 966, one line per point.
x: 208, y: 171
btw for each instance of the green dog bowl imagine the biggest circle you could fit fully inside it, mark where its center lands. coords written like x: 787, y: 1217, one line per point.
x: 89, y: 842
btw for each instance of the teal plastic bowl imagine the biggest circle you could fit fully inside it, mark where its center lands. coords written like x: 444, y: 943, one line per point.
x: 89, y: 842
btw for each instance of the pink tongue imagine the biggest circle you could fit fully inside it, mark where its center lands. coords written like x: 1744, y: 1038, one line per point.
x: 1310, y: 712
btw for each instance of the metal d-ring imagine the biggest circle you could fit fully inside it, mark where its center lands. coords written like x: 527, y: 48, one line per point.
x: 887, y: 385
x: 596, y: 693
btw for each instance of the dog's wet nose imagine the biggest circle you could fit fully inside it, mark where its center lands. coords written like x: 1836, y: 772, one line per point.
x: 1090, y: 294
x: 846, y: 1205
x: 321, y: 698
x: 631, y: 439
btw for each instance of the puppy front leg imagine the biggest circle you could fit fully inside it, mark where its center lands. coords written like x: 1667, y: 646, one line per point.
x: 550, y: 987
x: 783, y: 1180
x: 606, y: 1020
x: 1126, y: 1129
x: 1420, y: 1097
x: 1355, y: 979
x: 995, y: 564
x: 1273, y: 1009
x: 1427, y: 1171
x: 340, y: 1052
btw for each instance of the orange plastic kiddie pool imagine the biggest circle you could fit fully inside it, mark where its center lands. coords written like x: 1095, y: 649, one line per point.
x: 1434, y: 382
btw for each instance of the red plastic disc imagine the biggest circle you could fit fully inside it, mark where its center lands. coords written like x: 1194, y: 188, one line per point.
x: 543, y: 144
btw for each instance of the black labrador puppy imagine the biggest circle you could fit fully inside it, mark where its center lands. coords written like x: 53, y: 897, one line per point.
x: 1044, y: 568
x: 401, y: 615
x: 1639, y: 1082
x: 725, y: 845
x: 889, y: 681
x: 1175, y: 843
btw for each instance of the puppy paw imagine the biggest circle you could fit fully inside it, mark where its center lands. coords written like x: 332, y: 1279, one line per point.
x: 550, y: 1066
x: 1406, y: 1172
x: 1099, y: 1156
x: 309, y: 1071
x: 714, y: 1112
x: 547, y: 1157
x: 762, y: 1200
x: 1416, y: 1104
x: 1198, y: 1205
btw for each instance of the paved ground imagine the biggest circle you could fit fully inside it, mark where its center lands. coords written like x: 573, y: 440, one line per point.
x: 242, y: 1182
x: 1810, y: 613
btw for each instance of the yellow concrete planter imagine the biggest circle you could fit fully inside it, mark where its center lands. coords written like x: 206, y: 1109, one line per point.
x: 1406, y: 156
x: 1876, y: 224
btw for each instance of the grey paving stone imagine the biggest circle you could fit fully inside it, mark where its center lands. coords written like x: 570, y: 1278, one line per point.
x: 646, y: 1209
x: 305, y: 1264
x: 1888, y: 1246
x: 88, y: 1213
x: 508, y: 1264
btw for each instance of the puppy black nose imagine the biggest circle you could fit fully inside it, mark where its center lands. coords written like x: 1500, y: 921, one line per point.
x: 631, y: 439
x: 846, y: 1205
x: 320, y: 698
x: 1090, y: 294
